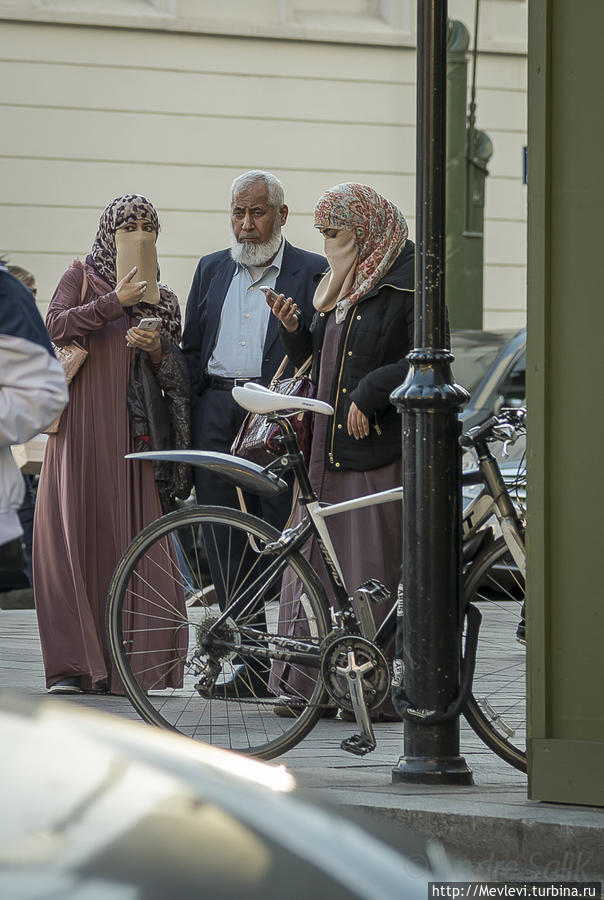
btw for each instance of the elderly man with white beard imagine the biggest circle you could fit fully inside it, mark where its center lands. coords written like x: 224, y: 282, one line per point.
x: 230, y: 337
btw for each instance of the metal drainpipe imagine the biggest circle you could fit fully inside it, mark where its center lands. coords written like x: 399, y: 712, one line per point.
x: 458, y: 42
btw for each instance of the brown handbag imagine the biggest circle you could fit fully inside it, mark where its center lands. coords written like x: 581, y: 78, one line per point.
x: 72, y: 357
x: 256, y: 439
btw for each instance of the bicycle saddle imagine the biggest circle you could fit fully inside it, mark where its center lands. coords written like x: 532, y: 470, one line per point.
x: 259, y: 399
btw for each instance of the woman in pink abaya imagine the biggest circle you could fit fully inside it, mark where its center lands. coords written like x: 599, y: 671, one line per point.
x: 92, y: 501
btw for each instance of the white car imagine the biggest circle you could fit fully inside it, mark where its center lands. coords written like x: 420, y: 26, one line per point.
x: 98, y: 808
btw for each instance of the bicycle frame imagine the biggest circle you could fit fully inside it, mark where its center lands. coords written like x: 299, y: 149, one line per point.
x: 294, y: 539
x: 347, y: 664
x: 493, y: 501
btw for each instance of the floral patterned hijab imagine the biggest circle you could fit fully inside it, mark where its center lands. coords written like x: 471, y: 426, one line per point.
x: 103, y: 257
x: 378, y: 230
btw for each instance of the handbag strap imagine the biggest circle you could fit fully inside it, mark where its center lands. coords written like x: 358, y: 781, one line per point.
x: 290, y: 518
x: 83, y: 291
x: 303, y: 368
x: 280, y: 370
x: 84, y: 285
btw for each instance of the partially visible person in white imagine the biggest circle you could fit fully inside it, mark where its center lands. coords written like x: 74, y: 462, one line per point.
x: 33, y: 390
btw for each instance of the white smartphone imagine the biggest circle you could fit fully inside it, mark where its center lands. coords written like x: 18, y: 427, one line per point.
x: 149, y: 323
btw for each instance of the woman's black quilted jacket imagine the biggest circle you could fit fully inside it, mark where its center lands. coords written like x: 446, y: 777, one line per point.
x: 375, y: 339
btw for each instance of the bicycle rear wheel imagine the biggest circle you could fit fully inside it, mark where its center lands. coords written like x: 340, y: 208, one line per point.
x: 161, y: 648
x: 496, y: 709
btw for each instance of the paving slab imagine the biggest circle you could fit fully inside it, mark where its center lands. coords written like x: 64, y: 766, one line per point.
x: 491, y: 824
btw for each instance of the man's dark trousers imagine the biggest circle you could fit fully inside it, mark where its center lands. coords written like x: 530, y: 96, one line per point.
x: 216, y: 420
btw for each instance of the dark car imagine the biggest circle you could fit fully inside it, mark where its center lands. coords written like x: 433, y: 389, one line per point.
x: 100, y: 808
x: 491, y: 365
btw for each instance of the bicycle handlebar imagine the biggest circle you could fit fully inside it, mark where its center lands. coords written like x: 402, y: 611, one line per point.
x: 506, y: 426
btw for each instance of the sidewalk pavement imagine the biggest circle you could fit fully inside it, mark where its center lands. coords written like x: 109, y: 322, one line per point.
x: 491, y: 825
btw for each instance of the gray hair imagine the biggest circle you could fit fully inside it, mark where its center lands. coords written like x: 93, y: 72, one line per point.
x: 274, y: 188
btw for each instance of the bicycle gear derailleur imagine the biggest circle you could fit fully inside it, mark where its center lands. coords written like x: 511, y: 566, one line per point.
x: 206, y: 660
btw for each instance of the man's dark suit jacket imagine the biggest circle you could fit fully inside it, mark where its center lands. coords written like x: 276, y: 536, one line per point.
x: 297, y: 279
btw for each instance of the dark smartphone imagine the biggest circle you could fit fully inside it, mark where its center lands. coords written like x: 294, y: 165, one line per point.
x: 271, y: 295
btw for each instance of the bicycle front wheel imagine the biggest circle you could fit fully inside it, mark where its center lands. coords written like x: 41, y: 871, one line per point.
x: 496, y: 710
x: 166, y: 594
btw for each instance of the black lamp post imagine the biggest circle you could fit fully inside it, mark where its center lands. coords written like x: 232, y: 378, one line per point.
x: 429, y: 627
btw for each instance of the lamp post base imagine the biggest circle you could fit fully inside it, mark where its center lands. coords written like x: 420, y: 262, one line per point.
x: 432, y: 770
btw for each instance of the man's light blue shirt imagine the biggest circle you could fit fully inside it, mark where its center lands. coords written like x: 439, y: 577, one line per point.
x: 242, y: 331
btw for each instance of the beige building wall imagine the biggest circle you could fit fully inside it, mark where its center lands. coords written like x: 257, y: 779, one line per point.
x: 174, y: 98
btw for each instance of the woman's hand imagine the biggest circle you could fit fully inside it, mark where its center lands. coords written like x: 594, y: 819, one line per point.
x: 358, y: 423
x: 286, y: 310
x: 129, y: 292
x: 149, y: 341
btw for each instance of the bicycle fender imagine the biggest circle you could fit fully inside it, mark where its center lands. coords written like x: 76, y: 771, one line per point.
x: 246, y: 474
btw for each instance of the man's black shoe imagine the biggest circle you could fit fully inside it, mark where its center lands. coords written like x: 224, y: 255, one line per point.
x: 243, y: 682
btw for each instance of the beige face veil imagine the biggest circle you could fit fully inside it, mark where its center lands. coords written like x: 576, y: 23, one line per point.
x: 379, y: 232
x: 342, y: 255
x: 104, y: 253
x: 138, y: 248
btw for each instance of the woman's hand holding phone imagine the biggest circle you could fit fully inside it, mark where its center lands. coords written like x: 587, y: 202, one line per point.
x: 145, y: 335
x: 286, y: 310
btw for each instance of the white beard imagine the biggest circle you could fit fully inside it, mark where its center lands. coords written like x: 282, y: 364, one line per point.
x: 249, y: 254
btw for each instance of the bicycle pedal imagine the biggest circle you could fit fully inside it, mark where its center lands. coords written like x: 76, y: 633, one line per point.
x: 358, y: 744
x: 373, y: 590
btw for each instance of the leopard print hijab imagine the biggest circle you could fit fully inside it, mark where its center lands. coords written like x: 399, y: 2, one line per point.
x: 103, y: 257
x: 124, y: 209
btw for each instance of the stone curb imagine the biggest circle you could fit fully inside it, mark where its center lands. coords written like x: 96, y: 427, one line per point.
x: 519, y: 845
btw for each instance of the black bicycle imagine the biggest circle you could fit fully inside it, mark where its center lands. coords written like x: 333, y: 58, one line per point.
x: 176, y: 658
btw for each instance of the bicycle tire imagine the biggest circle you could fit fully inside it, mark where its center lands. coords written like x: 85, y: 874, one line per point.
x: 496, y: 709
x: 152, y: 640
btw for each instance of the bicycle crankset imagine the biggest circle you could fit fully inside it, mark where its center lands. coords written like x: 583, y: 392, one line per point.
x: 355, y: 673
x: 369, y: 665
